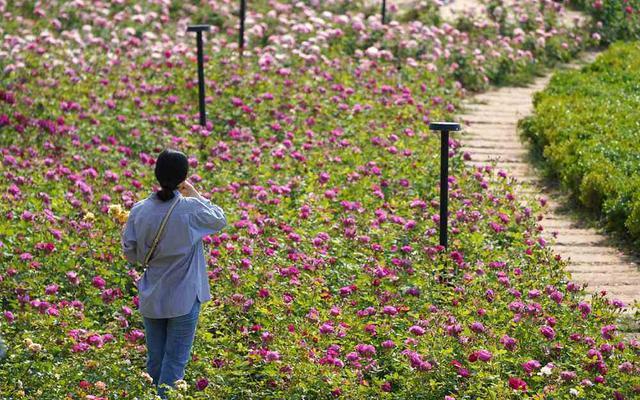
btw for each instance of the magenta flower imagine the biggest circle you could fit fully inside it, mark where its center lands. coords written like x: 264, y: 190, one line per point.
x: 477, y: 327
x: 531, y: 366
x: 272, y: 356
x: 51, y: 289
x: 134, y: 336
x: 454, y: 330
x: 370, y: 328
x: 482, y: 355
x: 202, y: 383
x: 417, y: 330
x: 346, y: 290
x: 548, y: 332
x: 567, y: 375
x: 389, y: 310
x: 584, y: 308
x: 626, y: 367
x: 517, y: 384
x: 533, y: 293
x: 618, y: 303
x: 8, y: 315
x: 607, y: 331
x: 388, y: 344
x: 365, y: 350
x: 27, y: 216
x: 417, y: 362
x: 95, y: 340
x: 53, y: 311
x: 98, y: 282
x: 352, y: 356
x: 556, y: 296
x: 79, y: 347
x: 326, y: 328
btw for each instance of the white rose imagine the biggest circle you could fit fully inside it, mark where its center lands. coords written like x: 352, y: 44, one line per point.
x: 545, y: 371
x: 181, y: 384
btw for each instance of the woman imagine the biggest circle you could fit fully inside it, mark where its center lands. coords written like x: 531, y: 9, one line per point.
x: 175, y: 283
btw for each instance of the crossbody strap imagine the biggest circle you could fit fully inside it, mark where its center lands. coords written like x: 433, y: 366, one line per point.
x: 157, y: 238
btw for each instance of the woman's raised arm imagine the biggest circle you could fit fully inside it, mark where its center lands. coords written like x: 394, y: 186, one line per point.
x: 207, y: 218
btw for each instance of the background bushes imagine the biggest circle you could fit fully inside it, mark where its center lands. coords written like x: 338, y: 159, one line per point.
x: 615, y: 19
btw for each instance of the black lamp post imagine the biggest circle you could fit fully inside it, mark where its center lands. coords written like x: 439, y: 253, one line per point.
x: 198, y: 29
x: 384, y: 10
x: 444, y: 128
x: 243, y: 14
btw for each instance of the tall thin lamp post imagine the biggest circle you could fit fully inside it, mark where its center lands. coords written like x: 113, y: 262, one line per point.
x: 384, y: 11
x: 198, y: 29
x: 243, y: 15
x: 444, y: 128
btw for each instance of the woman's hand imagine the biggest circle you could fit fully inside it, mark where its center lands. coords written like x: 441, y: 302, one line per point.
x: 187, y: 190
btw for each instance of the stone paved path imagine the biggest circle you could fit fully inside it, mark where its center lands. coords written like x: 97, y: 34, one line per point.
x: 453, y: 8
x: 457, y: 7
x: 490, y: 134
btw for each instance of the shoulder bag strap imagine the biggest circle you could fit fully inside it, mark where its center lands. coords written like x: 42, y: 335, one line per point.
x: 157, y: 238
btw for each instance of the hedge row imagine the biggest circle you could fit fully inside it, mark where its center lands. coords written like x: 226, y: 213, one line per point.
x: 587, y: 128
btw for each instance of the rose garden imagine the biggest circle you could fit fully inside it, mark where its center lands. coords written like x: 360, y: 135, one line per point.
x: 330, y: 279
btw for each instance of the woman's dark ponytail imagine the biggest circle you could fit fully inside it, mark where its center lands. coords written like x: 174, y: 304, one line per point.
x: 172, y: 167
x: 165, y: 194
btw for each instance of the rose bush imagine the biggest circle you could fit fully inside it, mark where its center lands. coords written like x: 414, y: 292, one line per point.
x: 329, y: 281
x: 613, y: 19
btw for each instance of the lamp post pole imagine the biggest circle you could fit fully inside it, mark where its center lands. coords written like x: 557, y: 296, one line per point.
x: 444, y: 128
x: 243, y: 14
x: 198, y: 29
x: 384, y: 10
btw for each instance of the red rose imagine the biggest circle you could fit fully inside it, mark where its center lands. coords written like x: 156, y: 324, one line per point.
x: 517, y: 384
x: 202, y: 384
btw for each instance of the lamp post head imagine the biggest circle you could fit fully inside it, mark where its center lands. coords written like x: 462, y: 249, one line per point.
x: 444, y: 126
x: 198, y: 28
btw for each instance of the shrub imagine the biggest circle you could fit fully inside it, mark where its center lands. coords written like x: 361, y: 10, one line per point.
x: 586, y: 127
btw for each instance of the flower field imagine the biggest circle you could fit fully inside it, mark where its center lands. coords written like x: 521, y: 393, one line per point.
x: 328, y: 281
x: 586, y: 129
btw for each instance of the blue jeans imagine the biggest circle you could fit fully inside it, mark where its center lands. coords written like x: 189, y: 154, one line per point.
x: 169, y: 342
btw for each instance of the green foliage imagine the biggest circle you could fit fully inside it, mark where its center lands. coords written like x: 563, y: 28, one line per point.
x: 587, y: 128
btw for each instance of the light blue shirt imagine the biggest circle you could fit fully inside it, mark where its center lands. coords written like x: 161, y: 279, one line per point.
x: 177, y: 271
